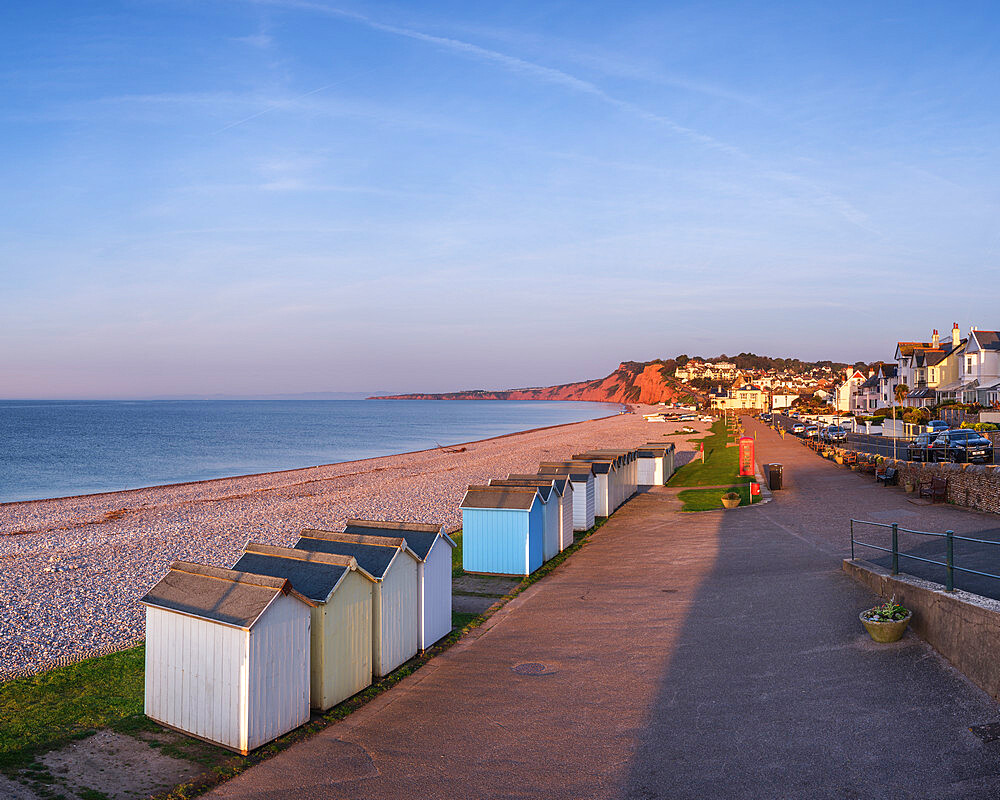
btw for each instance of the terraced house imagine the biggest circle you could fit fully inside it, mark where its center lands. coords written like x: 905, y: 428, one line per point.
x: 979, y: 369
x: 928, y: 368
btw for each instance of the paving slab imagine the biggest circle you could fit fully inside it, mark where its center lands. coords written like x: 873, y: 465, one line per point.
x: 675, y: 655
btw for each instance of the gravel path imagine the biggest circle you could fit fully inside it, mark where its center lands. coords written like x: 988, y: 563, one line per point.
x: 74, y: 568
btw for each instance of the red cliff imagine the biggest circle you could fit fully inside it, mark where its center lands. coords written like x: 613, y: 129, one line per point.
x: 632, y: 382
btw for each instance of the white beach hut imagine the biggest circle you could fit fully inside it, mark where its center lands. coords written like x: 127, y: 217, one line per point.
x: 581, y: 475
x: 551, y: 504
x: 650, y: 462
x: 605, y: 483
x: 395, y: 593
x: 503, y: 528
x: 341, y: 629
x: 227, y: 655
x: 564, y: 493
x: 434, y: 548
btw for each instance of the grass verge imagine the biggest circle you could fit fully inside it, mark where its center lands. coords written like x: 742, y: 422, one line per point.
x: 711, y: 499
x: 45, y: 711
x: 721, y: 467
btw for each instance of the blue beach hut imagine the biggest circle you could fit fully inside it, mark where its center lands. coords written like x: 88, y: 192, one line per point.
x: 503, y: 529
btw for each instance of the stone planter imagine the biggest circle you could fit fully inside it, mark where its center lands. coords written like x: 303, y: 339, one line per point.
x: 884, y: 632
x: 730, y: 502
x: 909, y: 487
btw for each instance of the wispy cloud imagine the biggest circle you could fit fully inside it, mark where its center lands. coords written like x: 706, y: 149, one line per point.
x: 520, y: 66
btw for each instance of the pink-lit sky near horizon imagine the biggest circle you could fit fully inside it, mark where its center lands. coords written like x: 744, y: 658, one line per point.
x: 280, y: 197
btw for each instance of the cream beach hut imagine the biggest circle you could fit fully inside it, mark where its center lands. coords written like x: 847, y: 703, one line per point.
x: 503, y: 528
x: 227, y: 655
x: 550, y: 499
x: 434, y: 548
x: 564, y: 492
x: 581, y: 475
x: 341, y: 629
x: 395, y: 593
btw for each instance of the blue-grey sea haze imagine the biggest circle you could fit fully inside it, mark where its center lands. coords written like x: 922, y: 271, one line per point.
x: 63, y: 448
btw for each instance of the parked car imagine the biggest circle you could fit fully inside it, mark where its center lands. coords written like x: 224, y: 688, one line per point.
x: 960, y: 446
x: 798, y: 429
x: 811, y: 432
x: 937, y: 426
x: 920, y: 448
x: 834, y: 433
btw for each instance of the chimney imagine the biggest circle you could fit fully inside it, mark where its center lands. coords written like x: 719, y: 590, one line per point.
x: 956, y: 335
x: 934, y: 338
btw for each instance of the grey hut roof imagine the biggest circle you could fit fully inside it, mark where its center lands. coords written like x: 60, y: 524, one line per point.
x: 559, y: 480
x: 315, y: 575
x: 420, y: 536
x: 503, y: 497
x: 545, y: 487
x: 601, y: 464
x: 575, y: 469
x: 221, y: 595
x: 374, y: 554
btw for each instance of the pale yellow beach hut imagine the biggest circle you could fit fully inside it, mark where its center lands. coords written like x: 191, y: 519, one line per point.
x: 341, y: 629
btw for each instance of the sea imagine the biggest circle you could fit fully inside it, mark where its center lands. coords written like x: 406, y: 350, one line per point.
x: 65, y: 448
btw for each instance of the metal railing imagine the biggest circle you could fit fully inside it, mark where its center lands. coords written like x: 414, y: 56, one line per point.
x: 949, y: 562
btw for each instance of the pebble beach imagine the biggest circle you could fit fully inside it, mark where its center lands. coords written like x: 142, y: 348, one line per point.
x: 74, y: 568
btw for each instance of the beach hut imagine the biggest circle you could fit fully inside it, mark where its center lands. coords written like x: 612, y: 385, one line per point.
x: 395, y: 593
x: 581, y: 475
x: 649, y: 461
x: 434, y: 548
x: 502, y: 530
x: 564, y: 491
x: 667, y: 459
x: 625, y: 476
x: 670, y: 462
x: 551, y: 500
x: 340, y: 650
x: 605, y: 483
x: 227, y: 655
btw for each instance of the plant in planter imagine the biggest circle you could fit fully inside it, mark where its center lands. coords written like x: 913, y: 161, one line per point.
x: 731, y: 499
x: 887, y: 622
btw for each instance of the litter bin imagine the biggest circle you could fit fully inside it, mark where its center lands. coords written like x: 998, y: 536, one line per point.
x: 773, y: 476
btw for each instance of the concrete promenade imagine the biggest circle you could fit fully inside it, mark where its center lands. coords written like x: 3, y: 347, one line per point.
x: 712, y: 655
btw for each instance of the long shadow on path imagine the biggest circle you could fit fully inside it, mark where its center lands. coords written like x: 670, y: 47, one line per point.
x: 775, y: 691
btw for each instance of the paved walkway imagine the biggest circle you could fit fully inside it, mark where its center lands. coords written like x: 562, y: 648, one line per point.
x: 713, y: 655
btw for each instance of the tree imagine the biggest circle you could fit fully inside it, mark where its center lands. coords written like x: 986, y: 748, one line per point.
x: 901, y: 391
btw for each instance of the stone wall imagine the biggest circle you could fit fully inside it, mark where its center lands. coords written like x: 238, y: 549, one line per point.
x: 963, y: 627
x: 974, y: 485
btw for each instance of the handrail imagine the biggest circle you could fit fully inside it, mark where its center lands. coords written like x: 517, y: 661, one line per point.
x: 949, y: 562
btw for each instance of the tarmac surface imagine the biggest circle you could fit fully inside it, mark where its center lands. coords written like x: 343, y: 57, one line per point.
x: 711, y: 655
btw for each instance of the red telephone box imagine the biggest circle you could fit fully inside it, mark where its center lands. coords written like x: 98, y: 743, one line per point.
x: 746, y: 456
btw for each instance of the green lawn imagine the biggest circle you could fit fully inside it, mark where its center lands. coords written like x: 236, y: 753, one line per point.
x: 711, y: 499
x: 41, y: 712
x: 721, y: 463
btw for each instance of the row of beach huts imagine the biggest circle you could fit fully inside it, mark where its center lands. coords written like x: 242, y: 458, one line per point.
x: 238, y: 656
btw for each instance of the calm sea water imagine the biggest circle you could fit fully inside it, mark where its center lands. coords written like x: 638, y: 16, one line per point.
x: 61, y: 448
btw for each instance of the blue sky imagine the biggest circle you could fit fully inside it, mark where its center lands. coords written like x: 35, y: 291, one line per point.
x: 261, y: 197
